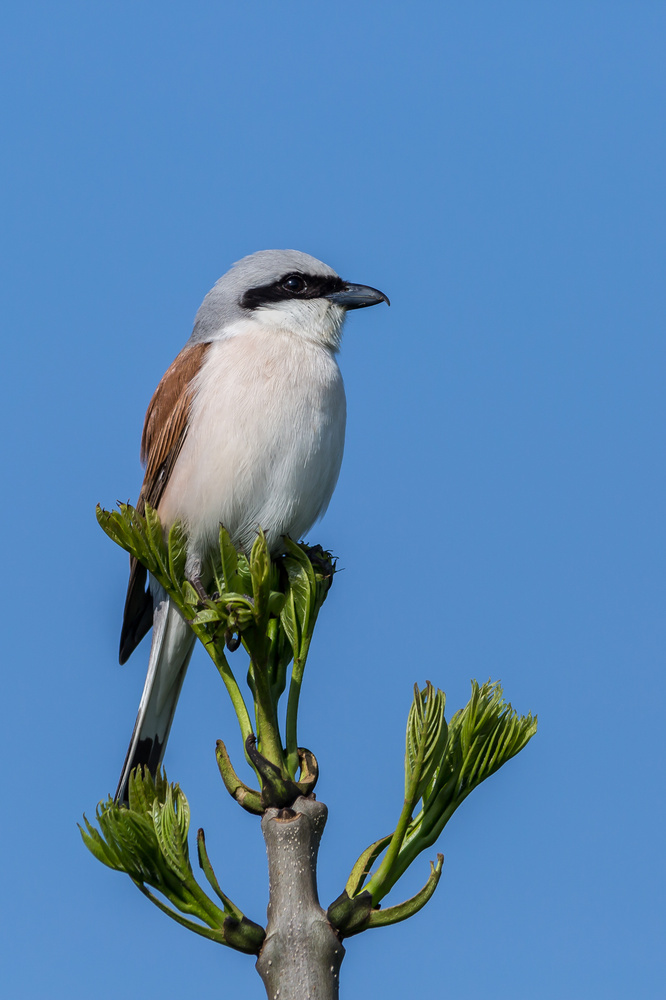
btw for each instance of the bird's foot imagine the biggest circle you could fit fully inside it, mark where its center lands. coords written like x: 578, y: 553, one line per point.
x: 195, y: 580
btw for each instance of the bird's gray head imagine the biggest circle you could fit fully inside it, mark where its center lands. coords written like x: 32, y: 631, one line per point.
x: 285, y: 289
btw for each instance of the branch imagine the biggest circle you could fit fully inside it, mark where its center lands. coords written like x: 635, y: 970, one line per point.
x: 302, y: 954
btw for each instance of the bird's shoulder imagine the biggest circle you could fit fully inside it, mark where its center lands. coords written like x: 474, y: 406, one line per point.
x: 165, y: 425
x: 167, y: 410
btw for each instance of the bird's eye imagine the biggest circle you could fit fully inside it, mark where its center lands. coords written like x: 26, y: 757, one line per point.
x: 294, y: 283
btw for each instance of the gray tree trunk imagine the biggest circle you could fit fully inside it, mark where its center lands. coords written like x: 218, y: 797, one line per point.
x: 301, y: 956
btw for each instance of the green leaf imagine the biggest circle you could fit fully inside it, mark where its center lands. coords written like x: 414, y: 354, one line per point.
x: 289, y: 621
x: 362, y: 868
x: 243, y: 575
x: 402, y: 911
x: 189, y: 594
x: 177, y: 550
x: 171, y: 820
x: 260, y: 566
x: 155, y: 537
x: 204, y: 617
x: 97, y: 845
x: 207, y: 868
x: 276, y: 602
x: 229, y: 560
x: 144, y: 788
x: 425, y: 739
x: 302, y: 584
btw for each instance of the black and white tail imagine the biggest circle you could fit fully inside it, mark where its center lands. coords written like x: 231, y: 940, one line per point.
x: 170, y: 652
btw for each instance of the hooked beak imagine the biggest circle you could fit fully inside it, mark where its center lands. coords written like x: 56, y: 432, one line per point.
x: 357, y: 296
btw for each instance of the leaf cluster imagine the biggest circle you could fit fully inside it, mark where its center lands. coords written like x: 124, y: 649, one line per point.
x: 249, y: 592
x: 443, y: 764
x: 142, y: 535
x: 148, y: 841
x: 269, y: 604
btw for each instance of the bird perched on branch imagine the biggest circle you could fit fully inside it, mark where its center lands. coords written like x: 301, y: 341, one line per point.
x: 246, y: 429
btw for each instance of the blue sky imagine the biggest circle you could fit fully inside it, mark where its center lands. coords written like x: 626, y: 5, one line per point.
x: 498, y: 170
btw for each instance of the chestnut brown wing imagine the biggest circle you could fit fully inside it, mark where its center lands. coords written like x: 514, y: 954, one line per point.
x: 164, y: 431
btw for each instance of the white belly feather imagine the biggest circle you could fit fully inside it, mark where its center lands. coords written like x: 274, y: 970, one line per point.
x: 265, y: 441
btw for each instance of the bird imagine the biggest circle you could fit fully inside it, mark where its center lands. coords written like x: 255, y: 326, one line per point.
x: 246, y: 430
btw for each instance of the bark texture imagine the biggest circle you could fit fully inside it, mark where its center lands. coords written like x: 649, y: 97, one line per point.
x: 301, y: 956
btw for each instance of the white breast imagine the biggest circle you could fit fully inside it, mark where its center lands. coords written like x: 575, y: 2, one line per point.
x: 265, y: 440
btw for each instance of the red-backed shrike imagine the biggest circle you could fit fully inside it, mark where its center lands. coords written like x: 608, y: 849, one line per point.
x: 246, y: 429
